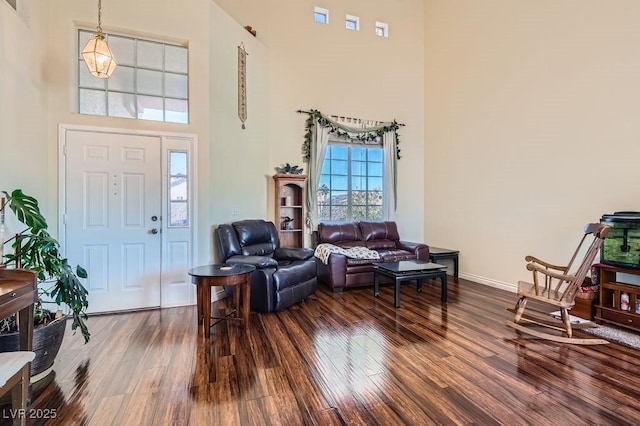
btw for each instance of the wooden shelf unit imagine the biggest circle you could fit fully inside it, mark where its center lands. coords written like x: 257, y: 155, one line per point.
x: 291, y: 188
x: 611, y: 289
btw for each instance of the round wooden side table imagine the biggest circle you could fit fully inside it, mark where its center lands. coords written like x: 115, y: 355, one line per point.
x: 205, y: 277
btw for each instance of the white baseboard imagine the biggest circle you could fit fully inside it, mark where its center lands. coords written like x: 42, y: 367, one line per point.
x: 512, y: 287
x: 219, y: 293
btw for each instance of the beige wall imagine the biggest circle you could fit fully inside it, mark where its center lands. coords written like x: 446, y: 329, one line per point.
x: 23, y: 103
x: 239, y: 158
x: 292, y: 64
x: 521, y: 118
x: 36, y: 100
x: 185, y: 22
x: 346, y: 73
x: 532, y: 126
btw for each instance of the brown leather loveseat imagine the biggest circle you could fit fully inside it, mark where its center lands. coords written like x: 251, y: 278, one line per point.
x: 342, y: 271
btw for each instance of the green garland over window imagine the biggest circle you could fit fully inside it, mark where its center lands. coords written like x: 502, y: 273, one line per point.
x: 364, y: 136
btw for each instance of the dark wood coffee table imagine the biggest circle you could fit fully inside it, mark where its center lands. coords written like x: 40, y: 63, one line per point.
x: 205, y: 277
x: 409, y: 270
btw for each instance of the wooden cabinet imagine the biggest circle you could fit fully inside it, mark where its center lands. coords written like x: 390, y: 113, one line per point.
x: 619, y: 301
x: 18, y: 293
x: 290, y: 202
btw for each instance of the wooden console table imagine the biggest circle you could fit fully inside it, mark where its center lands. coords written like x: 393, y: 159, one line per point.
x: 18, y: 293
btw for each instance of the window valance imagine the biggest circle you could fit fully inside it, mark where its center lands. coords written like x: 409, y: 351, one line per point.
x: 365, y: 134
x: 318, y: 128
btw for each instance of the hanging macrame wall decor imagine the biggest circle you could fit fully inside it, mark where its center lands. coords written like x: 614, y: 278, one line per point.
x: 242, y: 84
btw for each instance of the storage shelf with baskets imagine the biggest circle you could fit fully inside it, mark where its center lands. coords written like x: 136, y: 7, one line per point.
x: 619, y: 301
x: 585, y: 304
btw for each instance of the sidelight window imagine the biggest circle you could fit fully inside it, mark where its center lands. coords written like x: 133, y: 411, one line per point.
x: 178, y: 190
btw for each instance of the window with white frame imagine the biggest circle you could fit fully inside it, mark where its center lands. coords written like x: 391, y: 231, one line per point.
x: 352, y: 23
x: 351, y: 183
x: 320, y: 15
x: 179, y: 189
x: 151, y: 81
x: 382, y: 29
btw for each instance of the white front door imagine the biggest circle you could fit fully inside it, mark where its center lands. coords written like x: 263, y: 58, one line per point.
x: 117, y: 202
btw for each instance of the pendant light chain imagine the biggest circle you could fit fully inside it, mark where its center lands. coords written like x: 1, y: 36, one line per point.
x: 100, y: 16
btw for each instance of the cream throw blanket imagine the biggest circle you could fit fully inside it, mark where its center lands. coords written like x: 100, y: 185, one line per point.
x: 324, y: 250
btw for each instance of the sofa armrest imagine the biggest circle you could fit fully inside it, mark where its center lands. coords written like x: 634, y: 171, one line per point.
x: 333, y: 274
x: 420, y: 250
x: 260, y: 262
x: 301, y: 253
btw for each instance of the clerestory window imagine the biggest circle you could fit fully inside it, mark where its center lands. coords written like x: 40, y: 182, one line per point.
x: 320, y: 15
x: 382, y: 29
x: 352, y: 23
x: 151, y: 81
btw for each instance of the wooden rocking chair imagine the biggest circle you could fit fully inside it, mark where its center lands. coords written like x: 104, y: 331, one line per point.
x: 557, y: 286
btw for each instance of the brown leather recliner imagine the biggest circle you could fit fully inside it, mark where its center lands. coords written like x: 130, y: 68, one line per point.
x: 341, y: 272
x: 283, y: 276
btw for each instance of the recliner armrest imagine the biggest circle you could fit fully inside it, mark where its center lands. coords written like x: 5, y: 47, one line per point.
x: 419, y: 249
x: 300, y: 253
x: 260, y: 262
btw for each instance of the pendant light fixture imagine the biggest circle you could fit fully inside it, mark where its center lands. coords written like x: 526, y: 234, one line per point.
x: 97, y: 54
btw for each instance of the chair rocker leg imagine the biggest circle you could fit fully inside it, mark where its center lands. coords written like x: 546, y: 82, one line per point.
x: 555, y: 338
x: 544, y: 318
x: 564, y: 314
x: 520, y: 305
x: 561, y: 326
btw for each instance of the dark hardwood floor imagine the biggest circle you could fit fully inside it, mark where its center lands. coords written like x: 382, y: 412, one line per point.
x: 336, y: 359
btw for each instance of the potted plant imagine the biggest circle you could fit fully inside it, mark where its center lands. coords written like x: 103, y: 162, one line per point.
x: 59, y: 283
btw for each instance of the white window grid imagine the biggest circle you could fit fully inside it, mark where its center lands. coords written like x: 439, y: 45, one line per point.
x: 178, y: 189
x: 168, y: 98
x: 344, y: 192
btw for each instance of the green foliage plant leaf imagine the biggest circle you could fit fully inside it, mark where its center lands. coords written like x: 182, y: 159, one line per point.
x: 35, y: 249
x: 26, y: 209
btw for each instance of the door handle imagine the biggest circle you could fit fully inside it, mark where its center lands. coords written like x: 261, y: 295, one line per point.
x: 153, y: 231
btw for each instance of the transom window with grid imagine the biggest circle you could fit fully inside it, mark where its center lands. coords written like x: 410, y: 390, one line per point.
x: 351, y: 183
x: 151, y: 81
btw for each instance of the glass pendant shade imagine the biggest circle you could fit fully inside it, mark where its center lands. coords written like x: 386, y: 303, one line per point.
x: 98, y: 57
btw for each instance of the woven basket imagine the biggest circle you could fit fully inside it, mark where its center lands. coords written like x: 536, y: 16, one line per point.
x: 588, y: 293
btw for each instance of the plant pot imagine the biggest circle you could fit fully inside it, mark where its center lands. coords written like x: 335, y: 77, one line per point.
x: 47, y: 340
